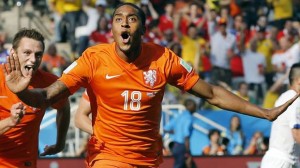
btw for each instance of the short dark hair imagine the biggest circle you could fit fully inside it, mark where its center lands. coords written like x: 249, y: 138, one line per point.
x: 140, y: 12
x: 213, y: 131
x: 29, y: 33
x: 294, y: 72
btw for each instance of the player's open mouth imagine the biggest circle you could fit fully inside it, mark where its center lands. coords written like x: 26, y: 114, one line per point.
x: 125, y: 37
x: 29, y: 67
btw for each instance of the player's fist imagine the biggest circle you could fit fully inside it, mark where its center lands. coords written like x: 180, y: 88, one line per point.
x: 17, y: 112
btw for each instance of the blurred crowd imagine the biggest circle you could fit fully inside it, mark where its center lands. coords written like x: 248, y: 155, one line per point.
x: 246, y: 46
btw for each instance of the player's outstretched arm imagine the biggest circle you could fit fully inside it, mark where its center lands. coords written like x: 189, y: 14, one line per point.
x: 82, y: 120
x: 17, y: 112
x: 224, y: 99
x: 18, y: 83
x: 62, y: 122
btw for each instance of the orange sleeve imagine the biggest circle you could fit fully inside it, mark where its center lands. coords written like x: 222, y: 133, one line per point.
x: 79, y: 73
x: 182, y: 75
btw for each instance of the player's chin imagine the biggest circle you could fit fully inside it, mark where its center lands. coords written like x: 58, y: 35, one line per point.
x: 125, y: 48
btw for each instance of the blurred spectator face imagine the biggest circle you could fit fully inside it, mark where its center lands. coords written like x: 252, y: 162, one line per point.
x: 273, y: 32
x: 222, y: 22
x: 262, y: 21
x: 103, y: 24
x: 215, y: 137
x: 222, y: 28
x: 292, y: 31
x: 284, y: 43
x: 238, y: 22
x: 224, y: 13
x: 190, y: 105
x: 296, y: 24
x: 192, y: 32
x: 260, y: 35
x: 257, y: 135
x: 169, y: 8
x: 194, y: 10
x: 169, y: 35
x: 213, y: 14
x: 253, y: 45
x: 235, y: 123
x: 52, y: 50
x: 243, y: 89
x: 288, y: 25
x: 2, y: 37
x: 144, y: 6
x: 1, y: 46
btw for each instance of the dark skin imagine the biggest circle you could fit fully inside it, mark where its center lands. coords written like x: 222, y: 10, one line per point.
x: 126, y: 21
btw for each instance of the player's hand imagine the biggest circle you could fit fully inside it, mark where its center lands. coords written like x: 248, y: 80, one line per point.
x: 273, y: 113
x: 52, y: 149
x: 17, y: 112
x: 14, y: 78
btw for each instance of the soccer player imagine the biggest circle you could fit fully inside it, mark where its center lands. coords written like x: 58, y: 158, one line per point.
x: 284, y: 143
x: 127, y: 79
x: 19, y: 140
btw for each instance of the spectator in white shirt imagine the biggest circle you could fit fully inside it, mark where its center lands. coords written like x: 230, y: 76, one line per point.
x: 223, y: 48
x: 254, y: 65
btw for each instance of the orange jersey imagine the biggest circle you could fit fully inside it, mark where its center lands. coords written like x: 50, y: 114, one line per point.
x: 19, y: 145
x: 126, y: 99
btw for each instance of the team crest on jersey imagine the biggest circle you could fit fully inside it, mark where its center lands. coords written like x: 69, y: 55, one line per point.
x: 150, y: 77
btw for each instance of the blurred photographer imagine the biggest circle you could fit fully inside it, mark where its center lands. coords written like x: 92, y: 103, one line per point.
x: 216, y: 146
x: 257, y: 145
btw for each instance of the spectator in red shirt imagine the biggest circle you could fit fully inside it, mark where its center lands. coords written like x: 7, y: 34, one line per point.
x: 166, y: 20
x: 102, y: 33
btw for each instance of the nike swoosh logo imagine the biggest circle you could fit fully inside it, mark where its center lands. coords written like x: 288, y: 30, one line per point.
x: 3, y: 97
x: 110, y: 77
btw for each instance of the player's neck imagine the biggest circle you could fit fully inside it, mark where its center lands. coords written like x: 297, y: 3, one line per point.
x: 131, y: 55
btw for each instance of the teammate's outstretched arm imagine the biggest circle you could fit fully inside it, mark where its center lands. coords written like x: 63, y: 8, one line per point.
x: 224, y: 99
x: 18, y: 84
x: 17, y: 112
x: 62, y: 123
x: 82, y: 120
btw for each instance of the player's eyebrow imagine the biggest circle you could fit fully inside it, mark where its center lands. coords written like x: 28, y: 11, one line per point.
x: 121, y: 14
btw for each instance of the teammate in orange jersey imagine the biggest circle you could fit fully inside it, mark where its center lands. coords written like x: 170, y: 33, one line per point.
x: 125, y: 81
x: 19, y: 143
